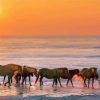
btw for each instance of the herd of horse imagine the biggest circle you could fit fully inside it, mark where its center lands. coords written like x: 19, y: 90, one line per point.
x: 20, y: 73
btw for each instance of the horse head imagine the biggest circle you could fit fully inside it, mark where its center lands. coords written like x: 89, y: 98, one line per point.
x: 93, y: 71
x: 35, y: 72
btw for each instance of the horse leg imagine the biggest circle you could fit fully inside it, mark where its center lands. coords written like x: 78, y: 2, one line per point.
x: 99, y: 81
x: 71, y: 82
x: 55, y: 82
x: 67, y: 82
x: 59, y: 82
x: 88, y: 82
x: 23, y: 79
x: 41, y: 82
x: 4, y: 79
x: 18, y: 78
x: 30, y: 81
x: 92, y: 83
x: 9, y: 80
x: 85, y: 83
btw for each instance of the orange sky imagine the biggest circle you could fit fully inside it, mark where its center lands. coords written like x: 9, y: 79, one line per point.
x: 49, y: 17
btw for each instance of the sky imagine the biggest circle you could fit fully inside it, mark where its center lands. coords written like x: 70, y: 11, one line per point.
x: 49, y: 17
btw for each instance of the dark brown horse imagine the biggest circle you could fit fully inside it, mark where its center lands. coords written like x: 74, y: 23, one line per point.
x: 48, y: 73
x: 89, y: 73
x: 28, y: 72
x: 71, y: 74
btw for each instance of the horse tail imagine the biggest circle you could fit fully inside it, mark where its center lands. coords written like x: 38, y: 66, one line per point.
x: 37, y: 77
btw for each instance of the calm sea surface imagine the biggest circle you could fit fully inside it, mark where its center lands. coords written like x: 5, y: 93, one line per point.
x: 53, y: 52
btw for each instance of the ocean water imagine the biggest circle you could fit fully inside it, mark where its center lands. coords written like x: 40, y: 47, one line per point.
x: 51, y: 52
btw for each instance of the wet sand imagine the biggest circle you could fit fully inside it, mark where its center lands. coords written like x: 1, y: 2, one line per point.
x: 47, y: 92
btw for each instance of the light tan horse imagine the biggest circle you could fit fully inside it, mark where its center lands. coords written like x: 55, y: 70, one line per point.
x: 6, y: 71
x: 14, y: 68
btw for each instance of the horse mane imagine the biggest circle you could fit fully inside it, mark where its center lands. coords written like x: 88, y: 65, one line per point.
x: 28, y: 69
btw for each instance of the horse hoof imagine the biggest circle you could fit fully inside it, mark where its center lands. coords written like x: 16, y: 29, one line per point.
x: 40, y: 88
x: 4, y: 84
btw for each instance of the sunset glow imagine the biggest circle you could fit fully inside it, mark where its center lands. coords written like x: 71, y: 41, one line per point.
x: 1, y: 9
x: 49, y: 17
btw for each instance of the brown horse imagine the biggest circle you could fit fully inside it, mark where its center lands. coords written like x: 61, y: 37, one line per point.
x: 14, y: 68
x: 64, y: 73
x: 7, y: 71
x: 48, y: 73
x: 28, y: 72
x: 89, y: 73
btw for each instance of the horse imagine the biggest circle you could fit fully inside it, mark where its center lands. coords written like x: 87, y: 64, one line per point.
x: 48, y: 73
x: 28, y: 72
x: 16, y: 69
x: 89, y: 73
x: 64, y: 73
x: 71, y: 74
x: 6, y: 71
